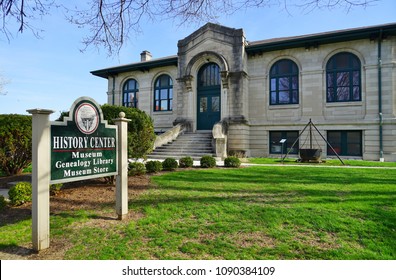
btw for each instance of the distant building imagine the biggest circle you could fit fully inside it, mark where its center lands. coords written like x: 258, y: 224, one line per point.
x: 265, y: 91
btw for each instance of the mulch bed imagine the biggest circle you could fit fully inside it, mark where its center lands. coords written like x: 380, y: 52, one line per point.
x: 82, y: 195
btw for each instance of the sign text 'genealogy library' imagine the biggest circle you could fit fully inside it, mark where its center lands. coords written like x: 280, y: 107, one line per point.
x: 83, y: 146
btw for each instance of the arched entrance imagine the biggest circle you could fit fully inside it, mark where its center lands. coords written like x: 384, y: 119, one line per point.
x: 208, y: 94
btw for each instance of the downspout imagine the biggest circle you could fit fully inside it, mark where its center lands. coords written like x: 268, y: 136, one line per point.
x: 380, y: 97
x: 113, y: 91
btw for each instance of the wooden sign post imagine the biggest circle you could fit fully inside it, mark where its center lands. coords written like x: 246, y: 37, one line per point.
x: 82, y: 146
x: 122, y: 177
x: 40, y: 178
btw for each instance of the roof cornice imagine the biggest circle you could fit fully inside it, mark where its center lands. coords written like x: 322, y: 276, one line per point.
x: 314, y: 40
x: 140, y: 66
x: 304, y: 41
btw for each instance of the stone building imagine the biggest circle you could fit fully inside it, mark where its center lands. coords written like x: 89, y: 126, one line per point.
x: 253, y: 94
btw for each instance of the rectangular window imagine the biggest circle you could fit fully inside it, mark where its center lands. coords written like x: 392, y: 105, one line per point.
x: 345, y: 142
x: 273, y: 97
x: 284, y: 97
x: 276, y: 146
x: 284, y: 83
x: 295, y: 97
x: 215, y: 104
x: 330, y: 94
x: 295, y: 83
x: 164, y: 94
x: 343, y: 79
x: 356, y: 93
x: 284, y: 90
x: 273, y: 84
x: 343, y: 93
x: 164, y: 105
x: 203, y: 104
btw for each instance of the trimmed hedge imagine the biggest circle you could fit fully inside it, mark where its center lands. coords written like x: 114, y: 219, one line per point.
x: 136, y: 168
x: 232, y: 162
x: 186, y: 162
x: 169, y: 164
x: 20, y: 193
x: 208, y: 162
x: 153, y: 166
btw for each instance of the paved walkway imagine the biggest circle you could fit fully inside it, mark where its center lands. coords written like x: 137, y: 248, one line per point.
x: 4, y: 192
x: 319, y: 166
x: 221, y: 164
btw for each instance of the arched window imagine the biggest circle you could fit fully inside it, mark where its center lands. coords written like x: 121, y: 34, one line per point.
x: 129, y: 93
x: 163, y: 93
x: 284, y: 83
x: 343, y: 78
x: 209, y: 75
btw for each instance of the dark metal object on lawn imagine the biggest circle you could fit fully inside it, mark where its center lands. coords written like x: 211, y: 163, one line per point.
x: 312, y: 155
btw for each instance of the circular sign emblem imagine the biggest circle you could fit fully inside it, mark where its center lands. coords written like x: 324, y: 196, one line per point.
x: 87, y: 118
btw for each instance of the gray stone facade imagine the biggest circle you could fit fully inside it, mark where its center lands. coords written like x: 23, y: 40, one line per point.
x: 245, y: 87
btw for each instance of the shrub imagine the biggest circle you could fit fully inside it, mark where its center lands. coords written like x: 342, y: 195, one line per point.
x: 15, y: 143
x: 153, y: 166
x: 3, y: 202
x: 141, y: 134
x: 232, y: 162
x: 208, y: 162
x: 136, y: 168
x: 169, y: 164
x: 186, y: 162
x: 20, y: 193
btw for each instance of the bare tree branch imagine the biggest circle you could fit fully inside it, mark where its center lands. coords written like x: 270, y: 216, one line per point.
x: 111, y: 22
x: 311, y: 5
x: 23, y: 12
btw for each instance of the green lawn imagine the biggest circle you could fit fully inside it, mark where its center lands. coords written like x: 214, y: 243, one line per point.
x: 260, y: 212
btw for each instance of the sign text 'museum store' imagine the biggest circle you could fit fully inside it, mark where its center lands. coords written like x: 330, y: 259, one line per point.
x: 84, y: 147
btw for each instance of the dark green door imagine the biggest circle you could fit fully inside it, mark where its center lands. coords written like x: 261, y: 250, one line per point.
x: 208, y: 103
x: 208, y: 110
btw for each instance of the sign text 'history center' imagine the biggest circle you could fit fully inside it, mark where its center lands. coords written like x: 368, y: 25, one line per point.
x: 83, y: 147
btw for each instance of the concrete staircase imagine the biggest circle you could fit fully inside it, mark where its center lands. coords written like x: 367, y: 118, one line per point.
x: 193, y: 145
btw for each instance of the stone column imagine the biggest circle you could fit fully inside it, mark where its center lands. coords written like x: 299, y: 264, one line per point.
x: 40, y: 178
x: 122, y: 177
x: 225, y: 110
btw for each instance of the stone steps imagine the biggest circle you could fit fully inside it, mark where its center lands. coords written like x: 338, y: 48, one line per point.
x: 195, y: 145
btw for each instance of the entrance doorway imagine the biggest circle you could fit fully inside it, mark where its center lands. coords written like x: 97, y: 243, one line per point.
x: 208, y: 93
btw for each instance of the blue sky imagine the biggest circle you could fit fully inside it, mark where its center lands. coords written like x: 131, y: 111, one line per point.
x: 50, y: 73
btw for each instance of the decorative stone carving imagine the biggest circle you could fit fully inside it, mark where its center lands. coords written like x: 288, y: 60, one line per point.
x: 224, y: 79
x: 186, y: 82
